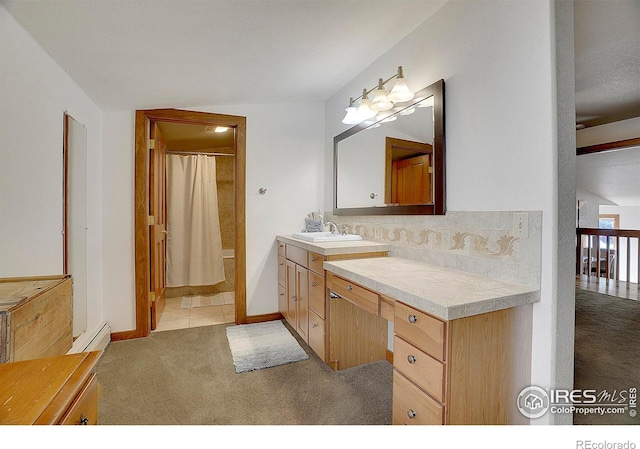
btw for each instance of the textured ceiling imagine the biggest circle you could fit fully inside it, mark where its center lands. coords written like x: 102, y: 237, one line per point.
x: 147, y: 54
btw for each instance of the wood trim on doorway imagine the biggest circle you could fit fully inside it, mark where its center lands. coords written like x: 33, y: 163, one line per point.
x: 141, y: 209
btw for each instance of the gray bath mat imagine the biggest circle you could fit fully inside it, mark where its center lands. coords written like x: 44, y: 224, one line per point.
x: 263, y: 345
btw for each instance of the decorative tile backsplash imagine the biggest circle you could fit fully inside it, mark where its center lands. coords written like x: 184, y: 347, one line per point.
x: 476, y: 242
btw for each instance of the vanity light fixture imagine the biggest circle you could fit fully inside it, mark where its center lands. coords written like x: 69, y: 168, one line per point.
x: 382, y: 100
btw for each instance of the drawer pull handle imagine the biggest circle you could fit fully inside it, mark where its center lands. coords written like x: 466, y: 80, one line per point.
x: 411, y: 359
x: 281, y: 264
x: 313, y: 259
x: 295, y: 298
x: 281, y: 294
x: 413, y: 319
x: 349, y: 287
x: 411, y: 414
x: 313, y: 284
x: 314, y: 325
x: 281, y: 245
x: 84, y: 421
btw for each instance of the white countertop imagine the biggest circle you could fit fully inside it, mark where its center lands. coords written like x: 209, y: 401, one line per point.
x: 442, y: 292
x: 331, y: 248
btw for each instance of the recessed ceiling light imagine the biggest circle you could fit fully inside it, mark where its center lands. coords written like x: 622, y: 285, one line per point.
x: 216, y: 129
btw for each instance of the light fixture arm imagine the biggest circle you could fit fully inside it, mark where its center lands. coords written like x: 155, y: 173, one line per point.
x: 381, y: 83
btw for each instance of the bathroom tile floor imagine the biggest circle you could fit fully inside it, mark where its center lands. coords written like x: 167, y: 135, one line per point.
x: 197, y: 310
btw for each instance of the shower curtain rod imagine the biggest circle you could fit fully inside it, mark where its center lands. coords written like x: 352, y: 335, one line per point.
x: 191, y: 153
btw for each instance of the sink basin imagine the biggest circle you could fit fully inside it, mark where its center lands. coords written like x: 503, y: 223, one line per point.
x: 317, y: 237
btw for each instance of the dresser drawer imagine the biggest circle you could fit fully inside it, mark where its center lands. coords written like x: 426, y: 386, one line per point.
x: 360, y: 296
x: 317, y: 334
x: 317, y: 294
x: 411, y: 405
x: 315, y: 262
x: 84, y: 410
x: 297, y: 255
x: 420, y: 329
x: 282, y: 271
x: 419, y: 367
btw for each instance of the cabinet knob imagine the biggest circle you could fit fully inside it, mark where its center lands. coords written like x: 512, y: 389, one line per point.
x: 413, y: 319
x: 281, y: 245
x: 83, y: 421
x: 313, y: 284
x: 411, y: 414
x: 295, y: 298
x: 314, y: 325
x: 411, y: 359
x: 281, y: 294
x: 313, y: 259
x: 349, y: 287
x: 282, y: 264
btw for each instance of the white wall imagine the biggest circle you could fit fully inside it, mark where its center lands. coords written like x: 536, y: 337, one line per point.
x: 34, y: 94
x: 284, y: 155
x: 497, y: 61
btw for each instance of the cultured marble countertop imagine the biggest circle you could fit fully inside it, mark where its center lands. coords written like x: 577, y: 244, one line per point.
x: 331, y: 248
x: 442, y: 292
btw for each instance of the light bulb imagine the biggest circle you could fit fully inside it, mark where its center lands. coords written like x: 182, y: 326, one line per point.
x: 400, y: 91
x: 364, y: 110
x: 380, y: 101
x: 351, y: 118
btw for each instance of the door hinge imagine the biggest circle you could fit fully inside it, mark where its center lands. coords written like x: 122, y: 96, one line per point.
x: 152, y: 144
x: 152, y: 296
x: 430, y: 169
x: 152, y: 220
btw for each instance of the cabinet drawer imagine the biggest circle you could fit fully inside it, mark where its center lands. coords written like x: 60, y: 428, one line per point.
x: 317, y: 294
x: 297, y: 255
x: 411, y: 405
x: 360, y: 296
x: 315, y: 262
x: 387, y: 308
x: 282, y: 271
x: 420, y: 329
x: 281, y: 251
x: 84, y: 410
x: 422, y: 369
x: 317, y: 334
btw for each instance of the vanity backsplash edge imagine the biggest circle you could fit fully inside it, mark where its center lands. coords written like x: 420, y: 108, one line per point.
x: 485, y: 243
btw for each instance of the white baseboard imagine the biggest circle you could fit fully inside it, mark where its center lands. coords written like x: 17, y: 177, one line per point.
x: 96, y: 342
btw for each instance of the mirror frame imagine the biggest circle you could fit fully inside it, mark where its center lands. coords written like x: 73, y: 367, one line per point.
x: 438, y: 206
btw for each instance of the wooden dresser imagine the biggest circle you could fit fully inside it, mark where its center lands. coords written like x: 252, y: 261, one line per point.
x: 54, y: 390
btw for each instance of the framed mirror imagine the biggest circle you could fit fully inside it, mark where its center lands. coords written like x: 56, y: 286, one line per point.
x: 394, y: 164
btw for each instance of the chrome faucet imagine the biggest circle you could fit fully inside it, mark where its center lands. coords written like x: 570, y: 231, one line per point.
x: 335, y: 227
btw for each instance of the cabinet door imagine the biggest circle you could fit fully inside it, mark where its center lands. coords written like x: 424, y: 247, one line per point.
x: 302, y: 312
x: 292, y: 298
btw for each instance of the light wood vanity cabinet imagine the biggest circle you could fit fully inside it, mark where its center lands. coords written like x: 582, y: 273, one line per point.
x: 463, y: 371
x: 303, y: 298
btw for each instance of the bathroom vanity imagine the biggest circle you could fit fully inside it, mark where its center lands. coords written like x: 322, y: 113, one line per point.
x: 462, y: 343
x: 461, y: 349
x: 304, y: 301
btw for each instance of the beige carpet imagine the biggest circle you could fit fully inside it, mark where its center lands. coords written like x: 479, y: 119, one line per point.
x: 187, y: 377
x: 607, y: 349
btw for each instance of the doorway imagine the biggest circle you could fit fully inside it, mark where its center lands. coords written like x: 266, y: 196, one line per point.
x: 144, y: 220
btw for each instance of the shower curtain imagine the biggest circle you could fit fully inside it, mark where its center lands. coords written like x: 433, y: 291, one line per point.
x: 194, y: 244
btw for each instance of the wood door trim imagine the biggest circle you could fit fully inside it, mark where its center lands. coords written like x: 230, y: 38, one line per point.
x: 609, y: 146
x: 141, y: 209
